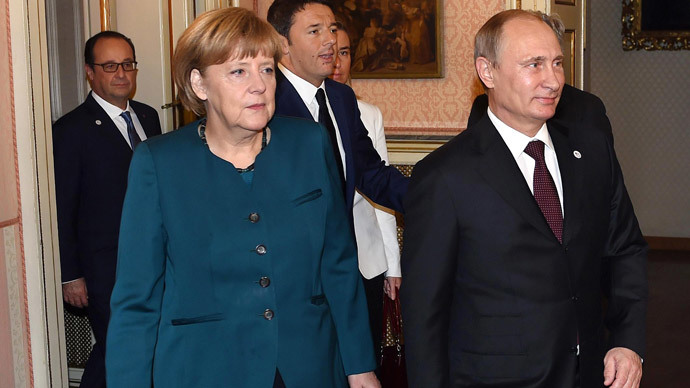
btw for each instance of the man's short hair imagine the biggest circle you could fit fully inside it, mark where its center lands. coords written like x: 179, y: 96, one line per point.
x: 487, y: 42
x: 213, y: 38
x: 281, y: 14
x: 88, y: 47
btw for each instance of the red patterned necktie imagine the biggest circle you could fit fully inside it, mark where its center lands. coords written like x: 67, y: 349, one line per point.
x: 545, y: 190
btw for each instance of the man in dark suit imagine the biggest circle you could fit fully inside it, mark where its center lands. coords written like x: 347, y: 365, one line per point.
x: 507, y: 256
x: 308, y: 30
x: 92, y: 148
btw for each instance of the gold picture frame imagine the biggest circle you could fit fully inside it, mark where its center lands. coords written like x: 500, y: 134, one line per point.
x: 637, y: 37
x: 393, y: 38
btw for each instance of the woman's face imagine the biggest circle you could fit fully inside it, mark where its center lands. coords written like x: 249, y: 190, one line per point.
x: 341, y: 72
x: 238, y: 93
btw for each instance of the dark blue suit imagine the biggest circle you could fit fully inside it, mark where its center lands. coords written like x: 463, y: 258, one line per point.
x: 365, y: 170
x: 91, y: 162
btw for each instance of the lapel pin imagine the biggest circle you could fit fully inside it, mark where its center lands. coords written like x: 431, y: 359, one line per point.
x: 577, y: 154
x: 98, y: 122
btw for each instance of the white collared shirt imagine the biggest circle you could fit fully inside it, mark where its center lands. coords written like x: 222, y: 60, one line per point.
x: 114, y: 113
x: 307, y: 93
x: 517, y: 141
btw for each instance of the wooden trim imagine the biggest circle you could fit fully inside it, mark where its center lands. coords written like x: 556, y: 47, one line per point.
x: 668, y: 243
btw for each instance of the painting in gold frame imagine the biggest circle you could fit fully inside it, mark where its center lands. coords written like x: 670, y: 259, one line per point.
x: 656, y: 25
x: 393, y: 38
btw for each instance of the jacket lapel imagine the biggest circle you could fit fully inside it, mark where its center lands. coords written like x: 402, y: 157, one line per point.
x: 501, y: 172
x: 571, y: 176
x: 104, y: 124
x: 288, y: 101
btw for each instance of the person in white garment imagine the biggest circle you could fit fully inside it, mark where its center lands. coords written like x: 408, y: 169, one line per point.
x: 375, y: 226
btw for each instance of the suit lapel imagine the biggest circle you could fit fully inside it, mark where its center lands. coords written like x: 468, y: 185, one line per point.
x: 342, y: 114
x: 571, y: 176
x: 105, y: 125
x: 501, y: 172
x: 288, y: 101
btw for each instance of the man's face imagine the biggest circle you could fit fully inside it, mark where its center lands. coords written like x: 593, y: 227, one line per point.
x: 525, y: 84
x: 311, y: 51
x: 113, y: 87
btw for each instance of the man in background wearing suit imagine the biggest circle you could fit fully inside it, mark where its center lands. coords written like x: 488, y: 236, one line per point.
x: 308, y: 30
x: 92, y: 148
x: 515, y: 231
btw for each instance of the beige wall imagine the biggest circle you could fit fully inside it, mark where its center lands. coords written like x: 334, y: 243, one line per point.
x: 647, y: 95
x: 436, y: 106
x: 14, y: 363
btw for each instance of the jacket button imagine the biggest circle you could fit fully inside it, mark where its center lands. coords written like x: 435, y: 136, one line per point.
x: 254, y: 218
x: 268, y: 314
x: 260, y: 249
x: 264, y: 281
x: 574, y: 298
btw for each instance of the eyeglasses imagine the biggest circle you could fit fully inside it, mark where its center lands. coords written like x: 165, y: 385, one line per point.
x: 112, y: 67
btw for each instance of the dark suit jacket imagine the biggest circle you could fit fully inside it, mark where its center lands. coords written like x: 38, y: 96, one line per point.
x: 91, y: 162
x: 188, y: 307
x: 491, y: 298
x: 365, y: 170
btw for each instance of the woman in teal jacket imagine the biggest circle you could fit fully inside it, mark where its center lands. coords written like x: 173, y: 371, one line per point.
x: 236, y: 262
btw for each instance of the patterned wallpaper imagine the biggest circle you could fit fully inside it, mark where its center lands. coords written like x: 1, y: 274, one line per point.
x: 436, y: 106
x: 14, y: 357
x: 647, y: 95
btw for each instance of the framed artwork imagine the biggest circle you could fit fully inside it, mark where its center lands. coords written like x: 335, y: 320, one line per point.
x: 565, y: 2
x: 393, y: 38
x: 656, y: 25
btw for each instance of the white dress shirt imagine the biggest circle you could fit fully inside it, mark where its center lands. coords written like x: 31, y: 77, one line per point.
x: 307, y: 92
x: 114, y: 113
x: 517, y: 141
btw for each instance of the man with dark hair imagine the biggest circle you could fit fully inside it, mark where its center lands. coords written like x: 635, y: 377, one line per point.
x: 516, y: 230
x: 92, y: 147
x: 308, y: 30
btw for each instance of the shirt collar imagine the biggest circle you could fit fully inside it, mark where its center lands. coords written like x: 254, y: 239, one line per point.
x: 112, y: 110
x: 306, y: 91
x: 515, y: 140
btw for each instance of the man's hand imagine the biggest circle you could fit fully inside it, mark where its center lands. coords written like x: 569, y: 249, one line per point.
x: 363, y: 380
x: 622, y: 368
x: 75, y: 294
x: 391, y: 286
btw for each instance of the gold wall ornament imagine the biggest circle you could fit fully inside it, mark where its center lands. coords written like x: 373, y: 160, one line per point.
x: 635, y: 38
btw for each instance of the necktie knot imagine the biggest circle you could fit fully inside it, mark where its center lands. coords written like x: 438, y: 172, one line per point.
x: 535, y: 149
x: 132, y: 134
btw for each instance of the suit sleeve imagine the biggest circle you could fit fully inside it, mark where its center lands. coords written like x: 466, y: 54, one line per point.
x: 384, y: 184
x: 428, y: 265
x: 340, y: 276
x: 626, y: 266
x: 386, y: 220
x: 136, y: 299
x: 67, y: 162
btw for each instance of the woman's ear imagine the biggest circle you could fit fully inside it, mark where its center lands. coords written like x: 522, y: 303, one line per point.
x: 198, y: 84
x: 485, y: 71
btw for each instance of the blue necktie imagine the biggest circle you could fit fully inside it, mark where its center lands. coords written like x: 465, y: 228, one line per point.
x: 134, y: 138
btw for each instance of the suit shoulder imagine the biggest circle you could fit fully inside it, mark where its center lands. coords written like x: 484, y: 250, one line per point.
x: 141, y: 106
x: 75, y: 117
x: 449, y: 153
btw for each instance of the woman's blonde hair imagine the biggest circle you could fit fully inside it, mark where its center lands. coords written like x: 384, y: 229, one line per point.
x: 213, y: 38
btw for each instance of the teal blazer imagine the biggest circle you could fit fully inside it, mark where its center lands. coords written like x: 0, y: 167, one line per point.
x: 219, y: 283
